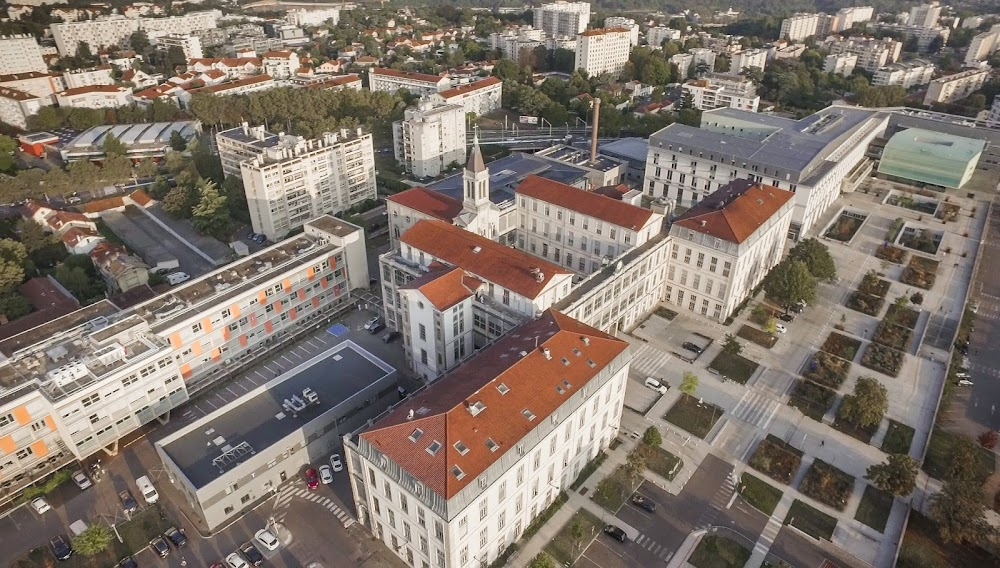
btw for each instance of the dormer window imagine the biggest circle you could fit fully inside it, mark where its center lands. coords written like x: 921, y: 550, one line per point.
x: 493, y: 446
x: 528, y: 414
x: 416, y: 434
x: 504, y: 389
x: 457, y: 472
x: 477, y: 407
x: 461, y: 448
x: 433, y: 448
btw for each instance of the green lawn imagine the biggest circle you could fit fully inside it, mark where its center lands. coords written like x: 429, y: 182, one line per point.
x: 874, y: 508
x: 811, y: 520
x: 613, y: 490
x: 665, y: 313
x: 860, y: 434
x: 757, y: 336
x: 898, y: 438
x: 734, y: 367
x: 663, y: 463
x: 694, y: 417
x: 719, y: 552
x: 939, y: 452
x: 759, y: 494
x: 566, y: 549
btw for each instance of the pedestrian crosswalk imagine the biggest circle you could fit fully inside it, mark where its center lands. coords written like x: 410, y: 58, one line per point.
x: 768, y: 535
x: 660, y: 551
x: 718, y: 502
x: 281, y: 506
x: 649, y: 360
x: 756, y: 409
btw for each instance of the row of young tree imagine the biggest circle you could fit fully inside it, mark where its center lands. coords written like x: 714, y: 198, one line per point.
x: 52, y: 117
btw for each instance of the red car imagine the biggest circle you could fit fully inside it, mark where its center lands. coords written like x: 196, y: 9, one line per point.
x: 312, y: 481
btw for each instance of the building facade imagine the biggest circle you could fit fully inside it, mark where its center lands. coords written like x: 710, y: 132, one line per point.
x: 481, y: 97
x: 16, y: 106
x: 420, y: 84
x: 873, y: 54
x: 452, y: 476
x: 721, y: 91
x: 656, y: 35
x: 87, y: 77
x: 189, y: 44
x: 841, y: 64
x: 603, y: 51
x: 96, y: 96
x: 983, y: 46
x: 906, y: 74
x: 290, y: 180
x: 951, y: 88
x: 562, y: 18
x: 625, y: 24
x: 799, y: 27
x: 748, y: 58
x: 20, y: 53
x: 115, y: 31
x: 430, y: 138
x: 305, y: 18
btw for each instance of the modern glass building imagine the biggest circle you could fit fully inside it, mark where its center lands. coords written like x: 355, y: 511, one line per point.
x: 933, y: 158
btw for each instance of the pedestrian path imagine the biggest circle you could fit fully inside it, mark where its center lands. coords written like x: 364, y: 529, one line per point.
x: 771, y: 529
x: 657, y: 549
x: 649, y: 360
x: 290, y: 492
x: 757, y: 409
x: 719, y: 501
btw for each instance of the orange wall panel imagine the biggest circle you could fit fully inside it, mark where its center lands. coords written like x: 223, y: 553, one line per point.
x: 216, y: 354
x: 21, y: 415
x: 175, y: 340
x: 50, y: 423
x: 206, y: 324
x: 262, y: 297
x: 185, y: 370
x: 286, y: 284
x: 324, y: 283
x: 196, y: 348
x: 315, y: 302
x: 226, y: 333
x: 302, y: 294
x: 291, y: 313
x: 243, y: 340
x: 235, y: 310
x: 7, y: 445
x: 268, y: 326
x: 40, y: 449
x: 310, y: 273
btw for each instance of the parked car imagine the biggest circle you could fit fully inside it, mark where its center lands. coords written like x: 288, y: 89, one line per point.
x: 615, y: 532
x: 266, y: 539
x: 252, y: 554
x: 376, y: 328
x: 177, y: 536
x: 780, y: 328
x: 787, y: 318
x: 312, y: 481
x: 128, y: 562
x: 643, y: 502
x: 390, y: 336
x: 81, y: 480
x: 656, y: 385
x: 60, y: 547
x: 40, y: 506
x: 373, y: 322
x: 159, y: 546
x: 236, y: 561
x: 175, y: 278
x: 260, y: 239
x: 692, y: 347
x: 965, y: 383
x: 128, y: 502
x: 797, y: 308
x: 335, y: 463
x: 325, y: 474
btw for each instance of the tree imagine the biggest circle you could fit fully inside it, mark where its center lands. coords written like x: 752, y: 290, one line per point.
x: 542, y: 561
x: 959, y: 513
x: 635, y: 464
x: 211, y: 216
x: 989, y: 439
x: 689, y: 383
x: 7, y: 144
x: 505, y: 69
x: 44, y: 249
x: 113, y: 146
x: 897, y: 475
x: 577, y: 531
x: 75, y: 280
x: 790, y: 282
x: 731, y: 345
x: 177, y: 142
x: 817, y: 258
x: 13, y: 305
x: 179, y: 201
x: 93, y: 541
x: 139, y: 41
x: 866, y: 407
x: 652, y: 437
x: 12, y: 261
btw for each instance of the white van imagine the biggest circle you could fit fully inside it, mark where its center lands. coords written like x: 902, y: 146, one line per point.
x: 656, y: 385
x: 148, y: 491
x: 175, y: 278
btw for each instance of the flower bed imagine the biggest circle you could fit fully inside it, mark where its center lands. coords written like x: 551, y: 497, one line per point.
x: 841, y: 346
x: 895, y: 336
x: 812, y: 399
x: 734, y: 367
x: 906, y: 317
x: 760, y: 494
x: 845, y: 227
x: 926, y: 206
x: 898, y: 438
x: 827, y: 370
x: 948, y: 212
x: 883, y: 359
x: 827, y: 484
x: 757, y: 336
x: 865, y: 303
x: 891, y: 253
x: 776, y: 459
x: 923, y: 240
x: 872, y: 284
x: 921, y: 272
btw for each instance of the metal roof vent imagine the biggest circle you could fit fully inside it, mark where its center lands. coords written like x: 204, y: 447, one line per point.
x: 547, y: 353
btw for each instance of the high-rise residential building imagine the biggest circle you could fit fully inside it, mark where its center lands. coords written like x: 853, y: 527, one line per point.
x: 924, y: 15
x: 904, y: 74
x: 624, y: 23
x: 290, y: 180
x: 951, y: 88
x: 95, y: 96
x: 17, y: 105
x: 480, y: 97
x: 114, y: 31
x: 655, y: 36
x: 841, y: 63
x: 421, y: 84
x: 430, y: 138
x: 722, y: 91
x: 604, y: 50
x: 873, y: 54
x: 748, y: 58
x: 453, y: 475
x: 562, y: 18
x: 87, y: 77
x: 20, y: 54
x: 189, y: 44
x: 799, y: 26
x: 75, y: 386
x: 993, y: 118
x: 923, y: 35
x: 305, y: 18
x: 816, y: 157
x: 982, y: 46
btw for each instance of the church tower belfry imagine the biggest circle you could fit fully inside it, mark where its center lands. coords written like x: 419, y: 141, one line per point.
x: 476, y: 179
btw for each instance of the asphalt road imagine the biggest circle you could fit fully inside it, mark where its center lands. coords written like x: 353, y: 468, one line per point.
x: 984, y: 356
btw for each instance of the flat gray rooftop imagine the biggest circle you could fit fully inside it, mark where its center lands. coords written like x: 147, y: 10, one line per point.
x: 627, y: 148
x: 508, y: 172
x: 253, y: 419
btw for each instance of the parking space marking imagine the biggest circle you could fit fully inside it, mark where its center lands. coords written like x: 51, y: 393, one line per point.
x: 310, y: 342
x: 304, y: 350
x: 222, y: 398
x: 244, y: 387
x: 208, y: 402
x: 287, y: 359
x: 259, y: 374
x: 232, y: 391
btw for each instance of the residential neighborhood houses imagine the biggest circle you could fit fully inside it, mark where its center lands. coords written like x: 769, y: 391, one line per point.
x: 435, y: 285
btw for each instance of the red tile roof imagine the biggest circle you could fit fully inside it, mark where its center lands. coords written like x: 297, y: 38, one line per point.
x: 599, y: 206
x: 516, y: 270
x: 470, y: 87
x: 140, y: 198
x: 446, y: 287
x: 443, y: 410
x: 60, y: 218
x: 407, y: 75
x: 15, y: 94
x: 75, y: 236
x: 277, y: 54
x: 93, y: 89
x: 99, y: 205
x: 234, y: 84
x: 428, y: 202
x: 735, y: 211
x: 603, y: 31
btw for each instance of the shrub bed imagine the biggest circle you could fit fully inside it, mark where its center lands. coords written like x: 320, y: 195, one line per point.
x: 827, y: 370
x: 883, y: 359
x: 852, y: 430
x: 841, y: 346
x: 827, y: 484
x: 845, y: 227
x: 714, y: 551
x: 892, y: 254
x: 757, y: 336
x: 760, y: 494
x: 906, y: 317
x: 813, y: 400
x: 811, y: 520
x: 776, y: 459
x: 588, y: 470
x: 662, y: 463
x: 693, y: 417
x: 920, y: 272
x: 734, y: 367
x: 895, y: 336
x: 564, y: 547
x: 874, y: 508
x: 665, y: 313
x: 865, y: 303
x: 874, y: 285
x: 545, y: 515
x: 898, y: 438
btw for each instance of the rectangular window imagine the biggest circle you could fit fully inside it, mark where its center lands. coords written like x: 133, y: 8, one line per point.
x: 701, y: 259
x: 423, y: 332
x: 726, y: 268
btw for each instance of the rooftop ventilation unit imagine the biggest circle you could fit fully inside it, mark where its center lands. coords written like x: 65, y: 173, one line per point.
x: 547, y: 353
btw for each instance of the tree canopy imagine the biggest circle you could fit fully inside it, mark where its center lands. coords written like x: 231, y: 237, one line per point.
x: 790, y: 282
x: 897, y: 475
x: 866, y: 407
x: 817, y: 258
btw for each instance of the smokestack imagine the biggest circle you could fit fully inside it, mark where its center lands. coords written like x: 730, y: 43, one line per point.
x: 597, y: 122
